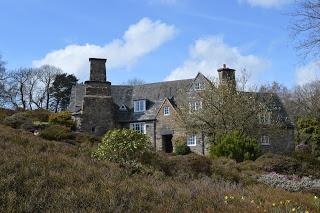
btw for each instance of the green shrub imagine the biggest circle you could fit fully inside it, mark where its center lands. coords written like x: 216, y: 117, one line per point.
x: 57, y: 132
x: 41, y: 115
x: 181, y: 147
x: 308, y: 132
x: 122, y: 146
x: 18, y: 119
x: 62, y: 118
x: 235, y: 146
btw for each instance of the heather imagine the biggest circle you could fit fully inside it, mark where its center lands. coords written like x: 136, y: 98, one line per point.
x: 58, y: 176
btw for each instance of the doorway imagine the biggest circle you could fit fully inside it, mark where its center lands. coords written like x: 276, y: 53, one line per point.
x: 167, y: 143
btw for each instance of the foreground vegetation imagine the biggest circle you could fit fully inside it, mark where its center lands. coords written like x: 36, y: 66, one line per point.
x: 41, y: 175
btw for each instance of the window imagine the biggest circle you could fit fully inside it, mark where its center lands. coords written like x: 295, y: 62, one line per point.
x: 265, y: 140
x: 192, y: 140
x: 139, y: 127
x: 139, y: 106
x: 265, y: 118
x: 195, y: 106
x: 166, y: 110
x: 198, y: 86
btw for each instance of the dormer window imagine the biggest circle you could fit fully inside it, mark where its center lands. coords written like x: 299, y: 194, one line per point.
x: 139, y: 106
x: 198, y: 86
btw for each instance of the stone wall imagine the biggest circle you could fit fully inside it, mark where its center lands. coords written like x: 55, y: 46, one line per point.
x: 76, y: 97
x: 97, y: 115
x: 281, y: 140
x: 171, y: 124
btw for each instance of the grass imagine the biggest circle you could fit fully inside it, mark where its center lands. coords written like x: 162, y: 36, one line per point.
x: 40, y: 175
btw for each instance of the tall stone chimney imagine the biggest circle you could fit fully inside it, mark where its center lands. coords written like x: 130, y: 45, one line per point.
x: 97, y: 107
x: 227, y: 76
x: 98, y: 69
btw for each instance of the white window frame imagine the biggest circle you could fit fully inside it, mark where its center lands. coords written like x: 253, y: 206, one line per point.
x: 265, y: 118
x: 139, y: 106
x: 265, y: 140
x: 192, y: 140
x: 195, y: 106
x: 140, y: 127
x: 198, y: 85
x: 166, y: 110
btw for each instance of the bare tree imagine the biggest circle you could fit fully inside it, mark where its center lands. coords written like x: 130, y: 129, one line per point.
x: 220, y: 109
x: 47, y: 74
x: 19, y: 86
x: 306, y: 99
x: 33, y: 87
x: 134, y: 82
x: 2, y: 69
x: 305, y: 26
x: 2, y: 81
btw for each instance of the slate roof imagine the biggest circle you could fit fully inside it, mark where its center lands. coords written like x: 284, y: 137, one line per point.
x: 153, y: 93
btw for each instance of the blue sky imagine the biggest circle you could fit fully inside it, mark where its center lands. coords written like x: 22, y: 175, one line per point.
x: 154, y: 40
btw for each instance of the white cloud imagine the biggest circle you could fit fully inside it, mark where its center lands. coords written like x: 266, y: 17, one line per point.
x: 308, y: 73
x: 139, y: 40
x: 266, y: 3
x: 209, y: 54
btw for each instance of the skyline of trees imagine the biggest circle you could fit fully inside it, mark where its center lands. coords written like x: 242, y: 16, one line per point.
x: 35, y: 88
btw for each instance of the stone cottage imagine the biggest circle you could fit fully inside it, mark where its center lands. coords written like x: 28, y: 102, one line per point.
x: 98, y: 106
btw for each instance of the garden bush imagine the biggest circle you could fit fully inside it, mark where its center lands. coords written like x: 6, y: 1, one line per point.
x: 235, y: 146
x: 41, y: 115
x: 57, y: 132
x: 18, y: 119
x: 181, y: 147
x: 62, y: 118
x: 308, y: 133
x: 123, y: 146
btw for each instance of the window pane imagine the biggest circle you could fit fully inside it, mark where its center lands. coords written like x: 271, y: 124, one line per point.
x: 192, y: 140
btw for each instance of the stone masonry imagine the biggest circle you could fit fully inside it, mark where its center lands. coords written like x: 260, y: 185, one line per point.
x: 98, y: 106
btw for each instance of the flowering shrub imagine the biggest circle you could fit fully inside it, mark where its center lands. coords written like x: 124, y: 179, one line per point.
x: 235, y: 146
x: 291, y: 183
x: 123, y: 146
x: 303, y: 148
x: 62, y: 118
x: 276, y: 206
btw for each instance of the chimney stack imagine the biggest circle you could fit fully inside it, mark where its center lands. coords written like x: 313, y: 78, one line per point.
x: 98, y: 69
x: 227, y: 76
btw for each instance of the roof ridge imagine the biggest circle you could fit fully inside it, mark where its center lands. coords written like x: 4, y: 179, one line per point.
x: 161, y: 82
